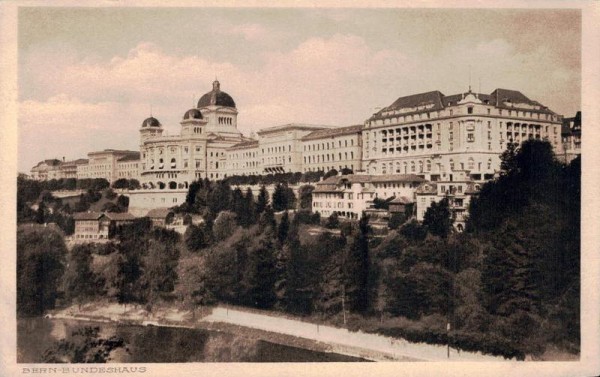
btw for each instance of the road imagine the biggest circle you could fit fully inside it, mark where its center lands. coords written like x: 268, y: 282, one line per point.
x: 371, y: 346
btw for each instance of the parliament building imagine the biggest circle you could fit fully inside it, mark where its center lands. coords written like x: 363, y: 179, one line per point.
x: 432, y: 136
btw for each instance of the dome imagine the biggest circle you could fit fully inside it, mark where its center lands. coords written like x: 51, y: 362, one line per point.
x: 216, y: 97
x: 151, y: 122
x: 192, y: 114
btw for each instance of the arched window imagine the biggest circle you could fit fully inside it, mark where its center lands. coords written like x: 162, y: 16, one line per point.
x: 428, y: 166
x: 471, y: 164
x: 412, y: 167
x: 451, y: 164
x: 173, y: 163
x: 489, y: 164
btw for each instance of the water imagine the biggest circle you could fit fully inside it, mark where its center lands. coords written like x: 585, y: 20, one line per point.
x: 164, y: 344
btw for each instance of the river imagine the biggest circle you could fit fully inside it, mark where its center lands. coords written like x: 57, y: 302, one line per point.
x: 163, y: 344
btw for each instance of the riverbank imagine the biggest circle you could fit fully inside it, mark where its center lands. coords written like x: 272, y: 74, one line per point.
x: 272, y: 328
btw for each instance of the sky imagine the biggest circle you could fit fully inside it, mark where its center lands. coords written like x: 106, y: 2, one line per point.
x: 88, y: 77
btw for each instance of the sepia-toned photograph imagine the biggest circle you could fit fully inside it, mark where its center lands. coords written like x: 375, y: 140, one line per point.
x: 272, y: 185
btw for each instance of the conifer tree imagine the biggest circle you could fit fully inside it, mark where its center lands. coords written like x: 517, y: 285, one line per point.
x: 262, y: 201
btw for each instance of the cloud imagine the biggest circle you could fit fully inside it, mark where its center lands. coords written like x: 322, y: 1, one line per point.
x: 250, y: 32
x: 89, y: 103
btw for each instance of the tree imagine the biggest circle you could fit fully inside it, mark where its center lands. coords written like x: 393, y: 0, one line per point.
x: 160, y: 272
x: 330, y: 173
x: 195, y: 238
x: 248, y: 216
x: 267, y: 219
x: 333, y: 221
x: 193, y: 189
x: 299, y: 288
x: 396, y: 220
x: 219, y: 198
x: 279, y: 198
x: 40, y: 265
x: 40, y: 214
x: 305, y: 196
x: 192, y: 287
x: 437, y: 219
x: 78, y: 279
x: 83, y: 345
x: 262, y: 200
x: 134, y: 184
x: 225, y: 225
x: 283, y: 228
x: 357, y: 268
x: 261, y: 272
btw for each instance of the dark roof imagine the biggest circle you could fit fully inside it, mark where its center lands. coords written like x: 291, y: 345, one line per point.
x: 87, y: 215
x: 120, y: 216
x: 192, y: 114
x: 216, y: 97
x: 244, y: 144
x: 401, y: 200
x: 332, y: 132
x: 436, y: 100
x: 158, y: 213
x: 332, y: 183
x: 150, y: 122
x: 130, y: 157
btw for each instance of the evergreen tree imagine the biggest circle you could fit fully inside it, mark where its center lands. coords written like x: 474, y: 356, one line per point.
x: 219, y: 198
x: 279, y: 198
x: 238, y: 205
x: 299, y: 291
x: 248, y: 216
x: 261, y: 272
x: 262, y: 200
x: 357, y: 268
x: 267, y: 219
x: 305, y: 196
x: 284, y: 227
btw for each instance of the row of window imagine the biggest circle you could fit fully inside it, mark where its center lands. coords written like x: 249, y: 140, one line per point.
x: 328, y: 157
x: 328, y: 145
x: 470, y: 110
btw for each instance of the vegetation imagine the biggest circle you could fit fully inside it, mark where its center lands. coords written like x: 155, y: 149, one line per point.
x: 83, y: 346
x: 509, y: 285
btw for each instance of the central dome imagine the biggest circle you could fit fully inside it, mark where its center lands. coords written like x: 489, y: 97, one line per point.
x: 216, y: 98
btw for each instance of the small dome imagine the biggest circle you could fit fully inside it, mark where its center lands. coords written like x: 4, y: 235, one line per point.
x: 216, y: 97
x: 192, y: 114
x: 151, y: 122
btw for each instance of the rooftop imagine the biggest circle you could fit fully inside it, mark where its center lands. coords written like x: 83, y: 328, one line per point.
x: 332, y: 132
x: 436, y: 100
x: 293, y: 126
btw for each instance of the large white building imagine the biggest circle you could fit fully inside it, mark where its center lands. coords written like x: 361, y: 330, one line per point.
x: 430, y: 134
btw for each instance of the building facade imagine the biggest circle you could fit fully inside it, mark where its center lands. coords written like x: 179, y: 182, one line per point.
x: 350, y: 195
x: 459, y: 191
x: 571, y: 138
x: 430, y: 134
x: 337, y: 148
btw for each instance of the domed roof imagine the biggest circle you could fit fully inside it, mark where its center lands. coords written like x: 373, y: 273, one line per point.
x: 192, y: 114
x: 216, y: 97
x: 151, y: 122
